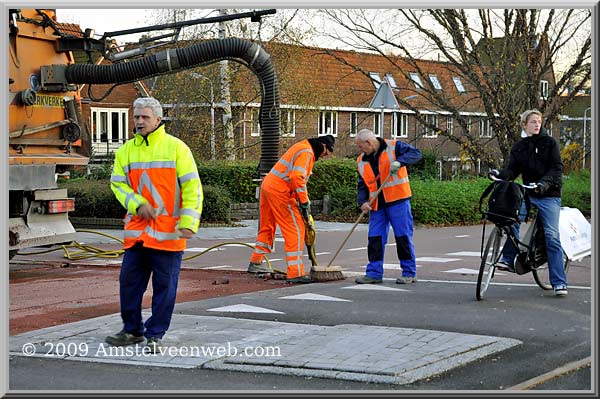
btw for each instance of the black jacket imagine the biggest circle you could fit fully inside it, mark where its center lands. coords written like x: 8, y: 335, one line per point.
x: 538, y: 159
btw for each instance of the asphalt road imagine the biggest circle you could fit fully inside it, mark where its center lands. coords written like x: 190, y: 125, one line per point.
x: 554, y: 331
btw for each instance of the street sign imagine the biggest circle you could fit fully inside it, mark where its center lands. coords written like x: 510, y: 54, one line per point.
x: 384, y: 98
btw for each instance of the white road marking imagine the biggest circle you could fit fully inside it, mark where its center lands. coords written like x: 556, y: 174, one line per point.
x: 465, y: 253
x: 437, y: 260
x: 463, y: 236
x: 242, y: 308
x: 216, y: 267
x: 373, y: 287
x: 462, y: 271
x: 314, y: 297
x: 356, y: 249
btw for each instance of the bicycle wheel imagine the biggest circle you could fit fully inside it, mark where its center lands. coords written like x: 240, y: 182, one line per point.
x: 541, y: 274
x: 489, y: 258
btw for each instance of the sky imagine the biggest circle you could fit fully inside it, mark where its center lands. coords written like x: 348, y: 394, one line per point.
x: 105, y: 20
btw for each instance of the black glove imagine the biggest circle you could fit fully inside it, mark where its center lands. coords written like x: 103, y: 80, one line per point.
x: 541, y: 187
x: 493, y: 172
x: 305, y: 209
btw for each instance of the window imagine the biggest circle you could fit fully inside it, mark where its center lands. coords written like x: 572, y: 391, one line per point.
x: 376, y: 79
x: 458, y: 84
x: 543, y: 89
x: 400, y: 125
x: 416, y: 79
x: 328, y: 123
x: 392, y: 81
x: 376, y: 124
x: 427, y: 130
x: 485, y: 128
x: 353, y: 124
x: 109, y: 125
x: 469, y: 124
x: 450, y: 125
x: 435, y: 82
x: 254, y: 122
x: 288, y: 123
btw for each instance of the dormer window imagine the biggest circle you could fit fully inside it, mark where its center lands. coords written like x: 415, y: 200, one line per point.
x: 458, y: 84
x: 416, y: 80
x: 376, y: 79
x: 435, y: 82
x: 392, y: 81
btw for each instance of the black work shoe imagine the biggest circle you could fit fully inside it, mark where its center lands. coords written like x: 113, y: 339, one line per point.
x: 505, y: 266
x: 301, y: 280
x: 153, y: 345
x: 367, y: 280
x: 258, y: 268
x: 123, y: 338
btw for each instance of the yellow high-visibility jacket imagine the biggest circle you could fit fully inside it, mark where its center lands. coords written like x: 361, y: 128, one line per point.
x: 158, y: 170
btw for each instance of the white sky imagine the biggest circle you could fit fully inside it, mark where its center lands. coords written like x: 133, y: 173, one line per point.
x: 105, y: 20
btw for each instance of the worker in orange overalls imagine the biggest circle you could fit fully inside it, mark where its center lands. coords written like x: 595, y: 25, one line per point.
x: 284, y: 201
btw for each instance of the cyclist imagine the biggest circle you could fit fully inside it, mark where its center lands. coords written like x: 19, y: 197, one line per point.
x: 537, y: 158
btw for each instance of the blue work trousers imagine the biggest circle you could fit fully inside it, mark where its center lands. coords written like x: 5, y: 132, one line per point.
x: 138, y: 264
x: 549, y: 213
x: 399, y: 216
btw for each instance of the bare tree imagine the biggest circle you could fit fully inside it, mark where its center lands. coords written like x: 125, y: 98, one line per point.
x: 501, y: 56
x: 199, y: 86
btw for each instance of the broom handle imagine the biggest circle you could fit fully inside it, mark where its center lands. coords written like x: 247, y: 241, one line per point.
x: 359, y: 219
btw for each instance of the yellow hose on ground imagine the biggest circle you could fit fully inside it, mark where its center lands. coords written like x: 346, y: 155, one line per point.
x: 89, y: 251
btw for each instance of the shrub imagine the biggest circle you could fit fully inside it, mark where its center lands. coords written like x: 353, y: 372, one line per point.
x: 343, y: 203
x: 330, y: 175
x: 216, y: 206
x: 577, y: 192
x: 237, y: 176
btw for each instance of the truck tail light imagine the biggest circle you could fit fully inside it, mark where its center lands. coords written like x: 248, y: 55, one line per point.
x: 61, y: 206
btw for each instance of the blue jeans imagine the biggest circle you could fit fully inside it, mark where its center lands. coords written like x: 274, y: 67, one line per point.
x: 399, y: 216
x: 549, y: 213
x: 138, y: 264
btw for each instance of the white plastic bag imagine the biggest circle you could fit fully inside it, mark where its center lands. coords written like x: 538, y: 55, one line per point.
x: 575, y: 233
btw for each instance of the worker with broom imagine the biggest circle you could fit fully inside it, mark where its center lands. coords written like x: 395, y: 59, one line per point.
x: 284, y: 201
x: 384, y: 192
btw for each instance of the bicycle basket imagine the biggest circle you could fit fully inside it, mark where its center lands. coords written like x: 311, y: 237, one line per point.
x: 504, y: 202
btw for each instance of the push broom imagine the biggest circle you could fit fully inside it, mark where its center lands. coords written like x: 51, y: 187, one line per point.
x: 318, y: 273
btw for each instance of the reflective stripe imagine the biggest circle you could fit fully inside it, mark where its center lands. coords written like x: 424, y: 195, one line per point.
x: 301, y: 189
x: 188, y: 177
x: 118, y: 179
x: 145, y: 181
x: 157, y: 235
x: 264, y: 245
x: 149, y: 165
x: 190, y: 212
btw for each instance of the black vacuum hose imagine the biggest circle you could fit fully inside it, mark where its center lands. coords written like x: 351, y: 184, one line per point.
x: 172, y: 60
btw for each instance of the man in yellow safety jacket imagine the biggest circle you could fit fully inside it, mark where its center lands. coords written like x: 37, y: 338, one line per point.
x: 156, y: 179
x: 284, y: 201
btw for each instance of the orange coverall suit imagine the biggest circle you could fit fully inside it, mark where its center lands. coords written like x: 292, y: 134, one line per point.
x: 281, y: 190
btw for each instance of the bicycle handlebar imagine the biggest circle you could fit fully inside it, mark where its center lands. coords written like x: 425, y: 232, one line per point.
x: 531, y: 186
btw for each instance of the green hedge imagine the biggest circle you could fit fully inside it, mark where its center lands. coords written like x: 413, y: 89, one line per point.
x: 94, y: 198
x: 438, y: 203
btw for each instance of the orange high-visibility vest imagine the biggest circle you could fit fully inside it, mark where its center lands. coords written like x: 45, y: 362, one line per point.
x: 159, y: 171
x: 396, y: 188
x: 292, y: 171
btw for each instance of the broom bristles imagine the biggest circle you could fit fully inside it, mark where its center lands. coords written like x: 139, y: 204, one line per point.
x: 331, y: 273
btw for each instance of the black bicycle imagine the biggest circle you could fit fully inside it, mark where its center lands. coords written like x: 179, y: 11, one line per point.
x: 531, y: 255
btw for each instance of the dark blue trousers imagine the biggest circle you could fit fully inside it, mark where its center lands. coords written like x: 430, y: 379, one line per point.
x: 399, y: 216
x: 138, y: 264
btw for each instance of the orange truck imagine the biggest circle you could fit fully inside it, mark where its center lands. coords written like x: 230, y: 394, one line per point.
x: 44, y: 117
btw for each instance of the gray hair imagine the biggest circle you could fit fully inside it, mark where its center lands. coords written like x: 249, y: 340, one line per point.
x: 149, y: 102
x: 364, y: 135
x: 525, y: 115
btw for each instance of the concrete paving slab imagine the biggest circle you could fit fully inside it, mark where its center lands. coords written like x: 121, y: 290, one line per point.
x: 347, y: 351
